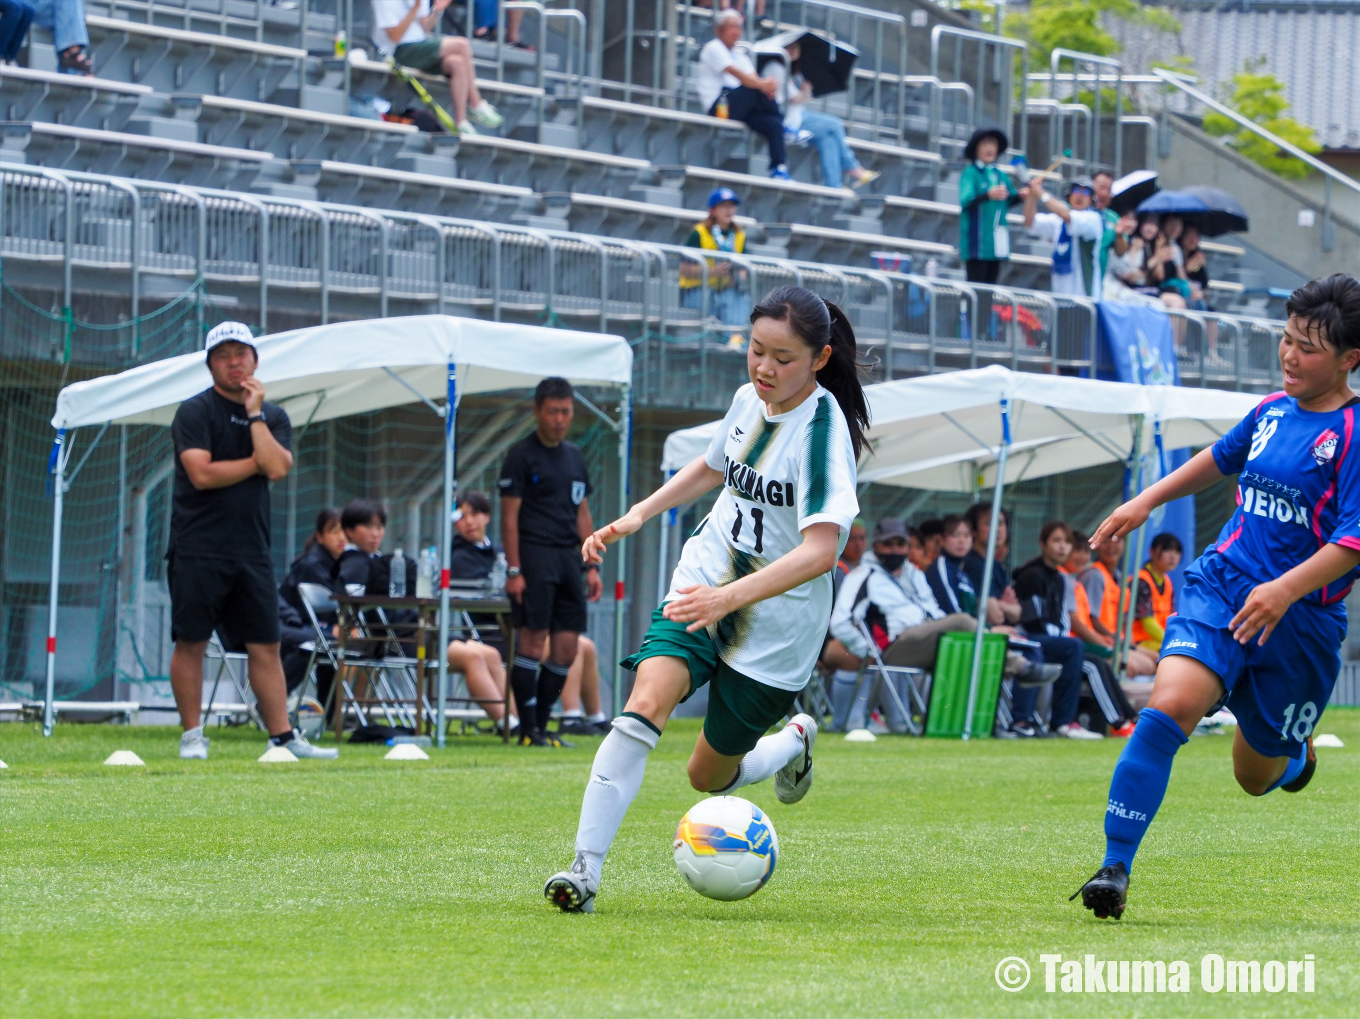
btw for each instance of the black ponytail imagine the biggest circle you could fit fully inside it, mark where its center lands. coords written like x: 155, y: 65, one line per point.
x: 819, y: 323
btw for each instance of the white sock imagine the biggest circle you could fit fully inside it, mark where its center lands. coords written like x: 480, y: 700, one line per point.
x: 599, y: 716
x: 573, y: 713
x: 615, y: 778
x: 769, y: 755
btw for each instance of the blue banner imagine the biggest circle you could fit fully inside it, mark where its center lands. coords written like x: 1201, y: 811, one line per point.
x: 1138, y: 346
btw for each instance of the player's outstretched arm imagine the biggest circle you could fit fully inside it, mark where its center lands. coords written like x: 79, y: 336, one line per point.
x: 1268, y: 602
x: 1195, y: 476
x: 701, y: 606
x: 688, y: 483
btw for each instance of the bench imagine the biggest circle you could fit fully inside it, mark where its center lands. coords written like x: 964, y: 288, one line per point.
x: 378, y: 187
x: 28, y: 94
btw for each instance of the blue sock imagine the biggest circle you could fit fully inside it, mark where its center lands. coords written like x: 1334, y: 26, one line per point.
x: 1139, y: 783
x: 1291, y: 770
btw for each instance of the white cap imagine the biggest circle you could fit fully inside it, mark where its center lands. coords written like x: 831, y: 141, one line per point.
x: 229, y: 332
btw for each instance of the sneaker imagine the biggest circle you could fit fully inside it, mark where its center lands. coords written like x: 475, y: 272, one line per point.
x: 300, y: 748
x: 1295, y: 786
x: 1024, y: 730
x: 792, y: 781
x: 1073, y: 730
x: 780, y: 172
x: 486, y: 115
x: 1124, y: 731
x: 864, y: 177
x: 193, y: 745
x: 576, y: 726
x: 466, y: 130
x: 1106, y: 892
x: 603, y: 727
x: 572, y: 891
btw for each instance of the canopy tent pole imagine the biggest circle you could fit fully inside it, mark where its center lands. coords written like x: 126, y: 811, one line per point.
x: 992, y: 526
x: 1128, y: 593
x: 61, y: 452
x: 625, y: 435
x: 663, y: 559
x: 1134, y: 462
x: 445, y: 551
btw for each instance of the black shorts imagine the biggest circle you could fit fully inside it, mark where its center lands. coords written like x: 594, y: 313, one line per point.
x: 554, y: 590
x: 208, y: 593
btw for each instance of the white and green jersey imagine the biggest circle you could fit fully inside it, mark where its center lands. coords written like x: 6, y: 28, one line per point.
x: 781, y: 474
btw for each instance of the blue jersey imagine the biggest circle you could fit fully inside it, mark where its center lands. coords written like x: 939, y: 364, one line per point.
x: 1298, y: 490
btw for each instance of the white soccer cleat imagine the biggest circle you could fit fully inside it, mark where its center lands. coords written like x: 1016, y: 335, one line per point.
x: 300, y: 748
x: 1073, y: 730
x: 193, y: 745
x: 572, y: 891
x: 792, y: 781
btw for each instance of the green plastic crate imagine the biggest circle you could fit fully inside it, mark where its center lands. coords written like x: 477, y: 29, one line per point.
x: 949, y: 688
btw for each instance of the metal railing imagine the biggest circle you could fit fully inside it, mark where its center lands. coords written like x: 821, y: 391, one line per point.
x: 1331, y: 177
x: 313, y: 259
x: 995, y: 77
x: 1078, y: 61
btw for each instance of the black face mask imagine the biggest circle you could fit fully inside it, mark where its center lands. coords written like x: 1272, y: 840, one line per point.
x: 892, y: 561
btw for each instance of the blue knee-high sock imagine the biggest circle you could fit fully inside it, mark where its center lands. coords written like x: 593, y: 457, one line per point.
x: 1292, y: 769
x: 1139, y: 783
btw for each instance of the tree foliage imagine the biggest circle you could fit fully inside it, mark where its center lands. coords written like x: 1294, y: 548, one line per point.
x: 1076, y: 25
x: 1259, y: 96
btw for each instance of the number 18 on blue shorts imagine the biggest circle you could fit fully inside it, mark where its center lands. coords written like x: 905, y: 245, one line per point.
x: 1278, y: 691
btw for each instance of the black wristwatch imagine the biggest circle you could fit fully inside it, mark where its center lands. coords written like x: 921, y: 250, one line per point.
x: 512, y: 572
x: 253, y: 418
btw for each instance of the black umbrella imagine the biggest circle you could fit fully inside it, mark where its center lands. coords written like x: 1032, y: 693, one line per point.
x: 1225, y: 215
x: 825, y: 64
x: 1129, y: 190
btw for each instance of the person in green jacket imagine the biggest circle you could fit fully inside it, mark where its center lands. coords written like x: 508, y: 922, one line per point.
x: 986, y: 193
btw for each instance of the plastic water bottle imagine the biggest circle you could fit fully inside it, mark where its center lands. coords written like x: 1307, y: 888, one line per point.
x: 498, y: 573
x: 425, y: 574
x: 396, y: 577
x: 964, y: 332
x: 341, y: 44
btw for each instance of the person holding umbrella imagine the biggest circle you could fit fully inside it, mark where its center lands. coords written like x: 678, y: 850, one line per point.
x: 839, y: 164
x: 986, y: 194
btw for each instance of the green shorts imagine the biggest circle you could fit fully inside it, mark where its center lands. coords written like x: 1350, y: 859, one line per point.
x: 423, y: 55
x: 740, y: 710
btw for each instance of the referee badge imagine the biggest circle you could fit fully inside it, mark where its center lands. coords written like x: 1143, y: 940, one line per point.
x: 578, y: 492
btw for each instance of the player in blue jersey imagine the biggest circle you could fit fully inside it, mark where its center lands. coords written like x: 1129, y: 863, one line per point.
x: 1260, y: 621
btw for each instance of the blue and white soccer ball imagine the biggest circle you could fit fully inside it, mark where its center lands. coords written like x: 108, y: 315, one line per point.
x: 726, y: 848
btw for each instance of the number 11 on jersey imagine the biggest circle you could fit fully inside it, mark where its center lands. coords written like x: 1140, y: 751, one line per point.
x: 758, y: 518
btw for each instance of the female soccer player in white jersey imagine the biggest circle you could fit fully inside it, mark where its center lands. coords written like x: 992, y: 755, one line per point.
x: 751, y: 596
x: 1279, y: 569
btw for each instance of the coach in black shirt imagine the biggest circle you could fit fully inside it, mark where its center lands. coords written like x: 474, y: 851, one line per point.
x: 545, y: 515
x: 229, y: 445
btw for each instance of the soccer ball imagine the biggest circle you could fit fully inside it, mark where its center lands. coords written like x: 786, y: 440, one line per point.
x: 726, y: 848
x: 310, y: 718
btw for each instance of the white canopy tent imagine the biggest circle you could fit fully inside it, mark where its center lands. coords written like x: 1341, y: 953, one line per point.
x: 961, y: 431
x: 331, y: 371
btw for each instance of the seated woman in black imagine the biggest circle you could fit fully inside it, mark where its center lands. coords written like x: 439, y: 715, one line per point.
x: 472, y: 557
x: 364, y: 524
x: 318, y: 561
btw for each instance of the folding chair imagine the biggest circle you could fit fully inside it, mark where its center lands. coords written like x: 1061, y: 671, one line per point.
x: 316, y: 600
x: 884, y: 680
x: 235, y: 664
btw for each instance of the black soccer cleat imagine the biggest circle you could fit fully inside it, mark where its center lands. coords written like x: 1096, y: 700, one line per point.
x: 1105, y: 893
x: 533, y: 738
x: 1306, y: 775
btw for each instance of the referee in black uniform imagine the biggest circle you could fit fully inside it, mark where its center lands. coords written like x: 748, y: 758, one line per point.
x: 229, y: 445
x: 545, y: 515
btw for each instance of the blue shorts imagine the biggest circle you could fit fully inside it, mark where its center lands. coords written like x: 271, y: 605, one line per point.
x: 1278, y: 692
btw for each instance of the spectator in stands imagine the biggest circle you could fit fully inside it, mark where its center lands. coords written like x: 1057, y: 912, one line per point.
x: 855, y: 543
x: 728, y: 298
x: 1003, y: 608
x: 15, y: 17
x: 1102, y: 582
x: 484, y: 15
x: 729, y: 88
x: 1076, y: 231
x: 1172, y: 268
x: 887, y: 600
x: 545, y: 515
x: 65, y: 19
x: 1042, y: 590
x: 932, y: 541
x: 1196, y: 267
x: 407, y: 31
x: 839, y: 163
x: 986, y: 193
x: 472, y: 557
x: 229, y: 444
x: 1155, y: 600
x: 1137, y: 275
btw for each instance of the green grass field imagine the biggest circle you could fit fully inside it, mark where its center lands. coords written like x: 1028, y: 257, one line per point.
x: 364, y: 887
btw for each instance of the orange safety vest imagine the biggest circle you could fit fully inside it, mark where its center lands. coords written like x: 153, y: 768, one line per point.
x: 1109, y: 600
x: 1083, y: 613
x: 1161, y: 604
